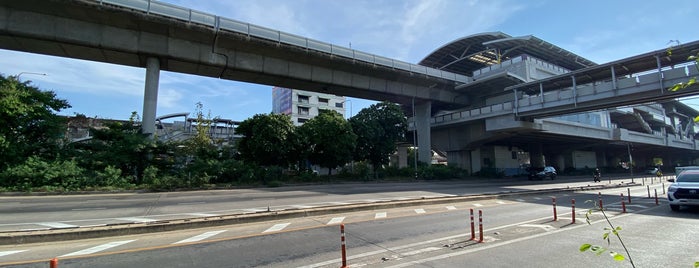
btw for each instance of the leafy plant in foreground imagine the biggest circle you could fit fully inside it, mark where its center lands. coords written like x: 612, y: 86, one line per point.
x: 597, y: 249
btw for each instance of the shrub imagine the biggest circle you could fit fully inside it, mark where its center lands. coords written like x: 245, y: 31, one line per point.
x: 36, y: 172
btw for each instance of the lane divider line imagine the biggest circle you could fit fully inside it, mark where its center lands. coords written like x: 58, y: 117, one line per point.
x: 136, y: 219
x: 335, y: 220
x: 420, y: 211
x: 380, y: 215
x: 5, y: 253
x: 99, y: 248
x: 57, y: 225
x: 200, y: 237
x: 277, y: 227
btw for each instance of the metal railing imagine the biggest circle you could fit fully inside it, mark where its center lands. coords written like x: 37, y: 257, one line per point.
x: 220, y: 23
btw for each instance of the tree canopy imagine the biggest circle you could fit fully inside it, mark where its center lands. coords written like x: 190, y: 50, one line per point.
x: 268, y: 140
x: 330, y: 140
x: 378, y: 127
x: 30, y: 126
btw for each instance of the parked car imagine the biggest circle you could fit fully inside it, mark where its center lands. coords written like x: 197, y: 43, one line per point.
x: 547, y: 172
x: 684, y: 191
x: 652, y: 171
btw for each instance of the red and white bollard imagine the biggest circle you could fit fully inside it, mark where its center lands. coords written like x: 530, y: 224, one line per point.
x: 573, y: 207
x: 473, y: 228
x: 623, y: 204
x: 555, y: 215
x: 53, y: 263
x: 600, y: 201
x: 480, y: 226
x: 344, y: 252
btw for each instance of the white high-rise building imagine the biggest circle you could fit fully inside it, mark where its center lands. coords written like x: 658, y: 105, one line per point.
x: 304, y: 105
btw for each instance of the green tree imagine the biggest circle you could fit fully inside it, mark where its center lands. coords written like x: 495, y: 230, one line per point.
x: 121, y: 145
x: 30, y: 126
x: 378, y: 128
x: 268, y: 140
x: 331, y: 141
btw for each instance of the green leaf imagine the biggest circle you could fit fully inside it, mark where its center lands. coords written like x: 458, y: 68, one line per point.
x: 605, y: 236
x: 696, y: 264
x: 696, y: 119
x: 585, y: 247
x: 617, y: 256
x: 598, y: 250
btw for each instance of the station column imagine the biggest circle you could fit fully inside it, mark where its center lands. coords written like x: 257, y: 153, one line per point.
x: 150, y: 96
x: 423, y: 112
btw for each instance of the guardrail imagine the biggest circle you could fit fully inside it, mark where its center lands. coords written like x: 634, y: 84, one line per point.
x: 220, y: 23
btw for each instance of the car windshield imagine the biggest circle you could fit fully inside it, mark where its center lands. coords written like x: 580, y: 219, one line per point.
x: 688, y: 178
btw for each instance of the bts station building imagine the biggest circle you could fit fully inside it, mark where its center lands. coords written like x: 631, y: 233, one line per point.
x: 655, y: 133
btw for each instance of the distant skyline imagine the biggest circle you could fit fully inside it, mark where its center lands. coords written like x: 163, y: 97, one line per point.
x: 601, y: 31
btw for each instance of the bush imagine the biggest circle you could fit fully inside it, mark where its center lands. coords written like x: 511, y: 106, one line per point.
x: 111, y: 176
x: 36, y: 172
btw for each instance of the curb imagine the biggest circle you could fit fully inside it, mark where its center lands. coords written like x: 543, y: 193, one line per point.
x: 62, y: 234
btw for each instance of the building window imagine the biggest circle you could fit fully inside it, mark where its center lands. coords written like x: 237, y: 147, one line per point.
x: 304, y: 99
x: 323, y: 101
x: 339, y: 104
x: 304, y: 111
x: 302, y: 120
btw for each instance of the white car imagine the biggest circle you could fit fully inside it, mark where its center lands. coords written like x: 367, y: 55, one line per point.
x: 684, y: 191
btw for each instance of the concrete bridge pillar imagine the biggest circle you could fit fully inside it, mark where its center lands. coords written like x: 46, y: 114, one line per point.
x: 536, y: 155
x: 150, y: 96
x: 423, y: 114
x: 402, y: 156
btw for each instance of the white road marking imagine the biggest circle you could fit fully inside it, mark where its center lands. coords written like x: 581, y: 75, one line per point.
x: 477, y: 205
x: 57, y: 225
x: 5, y: 253
x: 537, y: 198
x: 191, y: 203
x: 419, y: 251
x: 338, y: 203
x: 335, y: 220
x: 419, y: 211
x: 202, y: 214
x: 277, y: 227
x: 380, y: 215
x: 86, y: 209
x: 98, y: 248
x: 135, y: 219
x: 456, y: 253
x: 301, y: 206
x: 501, y: 202
x: 451, y: 208
x: 519, y: 200
x: 545, y: 227
x: 200, y: 237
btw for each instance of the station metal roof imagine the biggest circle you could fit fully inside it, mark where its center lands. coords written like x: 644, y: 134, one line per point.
x: 477, y: 51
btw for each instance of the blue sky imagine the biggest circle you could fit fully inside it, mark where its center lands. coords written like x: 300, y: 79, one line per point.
x: 406, y: 30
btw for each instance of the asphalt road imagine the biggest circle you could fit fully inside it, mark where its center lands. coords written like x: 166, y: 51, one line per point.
x: 30, y: 213
x: 518, y: 231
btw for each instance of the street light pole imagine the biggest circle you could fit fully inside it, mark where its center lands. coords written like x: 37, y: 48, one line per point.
x: 20, y: 74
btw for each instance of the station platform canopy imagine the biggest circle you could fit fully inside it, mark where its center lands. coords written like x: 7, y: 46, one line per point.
x: 471, y: 53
